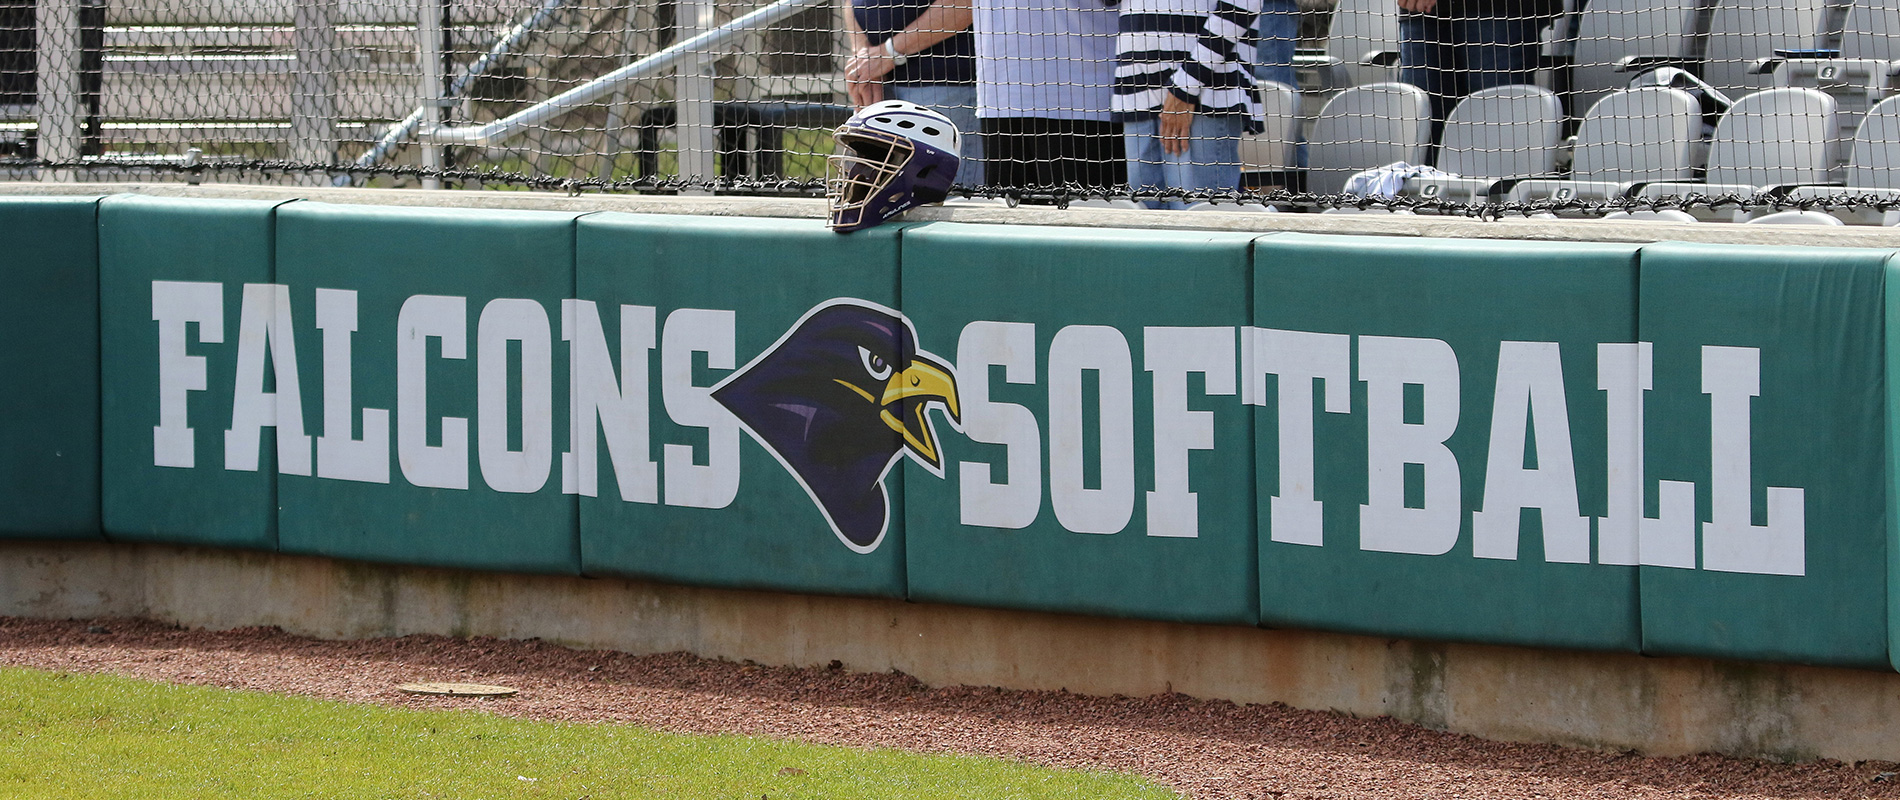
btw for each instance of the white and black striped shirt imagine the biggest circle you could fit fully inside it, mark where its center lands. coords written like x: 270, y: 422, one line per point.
x: 1189, y: 47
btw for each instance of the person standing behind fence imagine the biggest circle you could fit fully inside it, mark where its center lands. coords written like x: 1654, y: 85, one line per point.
x: 1183, y: 93
x: 921, y: 52
x: 1044, y: 81
x: 1451, y: 48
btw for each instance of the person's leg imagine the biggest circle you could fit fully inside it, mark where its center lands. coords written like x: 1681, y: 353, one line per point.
x: 1146, y: 159
x: 1089, y: 153
x: 1212, y: 162
x: 958, y: 103
x: 1428, y: 60
x: 1278, y: 29
x: 1008, y: 151
x: 1497, y: 51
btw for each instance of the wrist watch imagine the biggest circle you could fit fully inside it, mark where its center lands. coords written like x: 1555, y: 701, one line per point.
x: 890, y: 49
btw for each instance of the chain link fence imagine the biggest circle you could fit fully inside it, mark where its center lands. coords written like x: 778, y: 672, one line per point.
x: 1708, y: 110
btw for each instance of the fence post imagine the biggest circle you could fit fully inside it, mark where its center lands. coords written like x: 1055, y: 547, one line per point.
x: 313, y: 92
x: 429, y: 94
x: 693, y: 123
x: 57, y: 36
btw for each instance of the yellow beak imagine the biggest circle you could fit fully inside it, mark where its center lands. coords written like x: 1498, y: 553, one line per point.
x: 923, y: 382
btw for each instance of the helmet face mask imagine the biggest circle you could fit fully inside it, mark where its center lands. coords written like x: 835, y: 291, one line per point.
x: 890, y: 156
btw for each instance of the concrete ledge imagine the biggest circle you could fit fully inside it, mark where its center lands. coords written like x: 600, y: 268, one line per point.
x: 813, y: 208
x: 1617, y: 701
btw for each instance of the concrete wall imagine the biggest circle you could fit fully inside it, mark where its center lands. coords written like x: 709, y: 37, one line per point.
x: 1662, y: 706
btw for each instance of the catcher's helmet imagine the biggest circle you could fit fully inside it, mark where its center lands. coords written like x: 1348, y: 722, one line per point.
x: 891, y: 156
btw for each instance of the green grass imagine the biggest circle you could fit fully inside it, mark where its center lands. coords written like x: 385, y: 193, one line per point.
x: 67, y: 736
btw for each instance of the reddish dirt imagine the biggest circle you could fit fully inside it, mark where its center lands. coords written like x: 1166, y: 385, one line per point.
x: 1203, y: 748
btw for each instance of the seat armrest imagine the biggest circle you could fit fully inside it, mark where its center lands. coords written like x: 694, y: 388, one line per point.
x: 1646, y: 63
x: 1379, y: 58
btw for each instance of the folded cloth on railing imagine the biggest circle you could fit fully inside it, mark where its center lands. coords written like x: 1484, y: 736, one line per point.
x: 1386, y: 181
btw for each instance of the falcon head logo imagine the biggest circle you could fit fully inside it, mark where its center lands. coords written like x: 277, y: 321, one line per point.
x: 838, y: 400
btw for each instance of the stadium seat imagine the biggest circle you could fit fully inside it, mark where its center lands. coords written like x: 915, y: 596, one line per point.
x: 1770, y: 139
x: 1365, y: 127
x: 1796, y: 217
x: 1864, y: 70
x: 1873, y: 169
x: 1619, y: 39
x: 1274, y: 151
x: 1742, y: 32
x: 1634, y: 135
x: 1494, y: 134
x: 1362, y: 46
x: 1648, y: 215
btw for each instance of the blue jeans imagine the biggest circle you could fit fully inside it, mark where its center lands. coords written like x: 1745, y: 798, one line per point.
x: 1451, y: 58
x: 1278, y: 29
x: 1211, y: 162
x: 958, y: 102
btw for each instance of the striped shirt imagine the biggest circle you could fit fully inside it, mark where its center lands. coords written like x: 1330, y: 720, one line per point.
x: 1190, y: 48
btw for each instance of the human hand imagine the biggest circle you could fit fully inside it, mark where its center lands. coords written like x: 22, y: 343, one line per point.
x: 1177, y: 118
x: 864, y: 75
x: 1418, y: 6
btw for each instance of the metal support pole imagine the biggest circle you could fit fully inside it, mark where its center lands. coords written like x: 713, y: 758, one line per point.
x: 313, y: 92
x: 693, y: 95
x: 673, y: 56
x: 56, y: 30
x: 429, y: 92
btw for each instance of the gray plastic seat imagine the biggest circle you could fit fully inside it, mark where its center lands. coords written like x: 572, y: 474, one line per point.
x: 1619, y: 39
x: 1362, y: 46
x: 1634, y: 135
x: 1648, y: 215
x: 1873, y: 167
x: 1365, y: 127
x: 1275, y: 149
x: 1769, y: 139
x: 1742, y: 32
x: 1795, y: 218
x: 1494, y: 134
x: 1864, y: 74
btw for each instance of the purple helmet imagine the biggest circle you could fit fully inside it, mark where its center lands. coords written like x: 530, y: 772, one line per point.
x: 890, y: 156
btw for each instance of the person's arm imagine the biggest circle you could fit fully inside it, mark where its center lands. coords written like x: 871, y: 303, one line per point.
x: 942, y: 20
x: 1418, y: 6
x: 1220, y: 32
x: 863, y: 91
x: 868, y: 65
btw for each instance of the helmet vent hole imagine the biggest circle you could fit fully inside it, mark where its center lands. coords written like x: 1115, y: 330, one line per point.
x: 932, y: 131
x: 904, y: 123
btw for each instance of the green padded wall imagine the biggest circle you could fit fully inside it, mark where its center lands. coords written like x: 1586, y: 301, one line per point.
x: 1072, y: 347
x: 1770, y: 378
x: 684, y: 303
x: 49, y: 351
x: 172, y: 276
x: 1404, y: 379
x: 456, y: 401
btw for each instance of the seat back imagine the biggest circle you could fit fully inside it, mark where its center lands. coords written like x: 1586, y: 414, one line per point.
x: 1502, y: 132
x: 1871, y: 30
x: 1642, y: 134
x: 1741, y: 31
x: 1365, y: 127
x: 1611, y: 29
x: 1361, y: 28
x: 1774, y: 137
x: 1875, y: 161
x: 1273, y: 149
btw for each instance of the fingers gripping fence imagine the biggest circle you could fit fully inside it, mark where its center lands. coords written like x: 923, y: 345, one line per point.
x: 1697, y: 110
